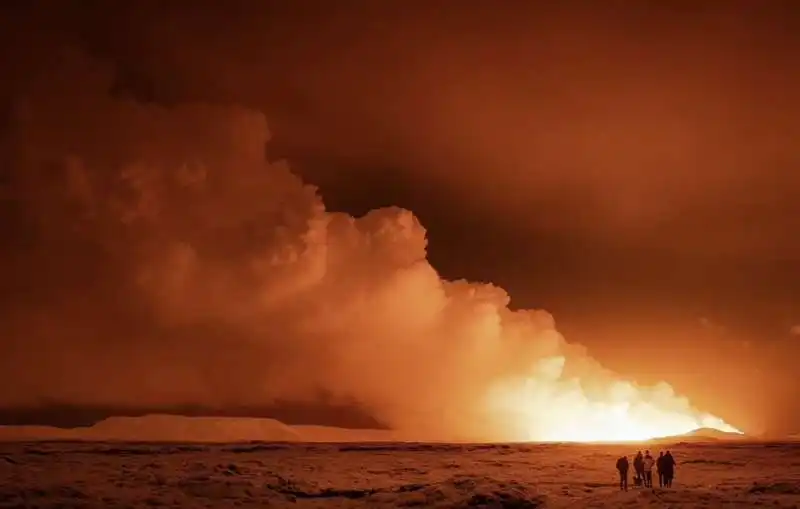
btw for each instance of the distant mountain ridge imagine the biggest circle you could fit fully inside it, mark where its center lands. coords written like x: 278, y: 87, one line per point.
x: 173, y: 428
x: 705, y: 435
x: 161, y: 428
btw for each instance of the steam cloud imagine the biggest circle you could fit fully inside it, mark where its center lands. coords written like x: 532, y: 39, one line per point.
x: 165, y: 261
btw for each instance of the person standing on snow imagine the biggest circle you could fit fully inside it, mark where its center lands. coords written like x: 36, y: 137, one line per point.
x: 638, y: 467
x: 669, y: 469
x: 622, y: 468
x: 647, y: 465
x: 660, y: 469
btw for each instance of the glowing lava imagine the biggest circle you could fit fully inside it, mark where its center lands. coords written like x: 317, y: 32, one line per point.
x: 550, y: 408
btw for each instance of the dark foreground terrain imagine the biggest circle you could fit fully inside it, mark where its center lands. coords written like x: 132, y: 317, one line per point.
x: 75, y: 474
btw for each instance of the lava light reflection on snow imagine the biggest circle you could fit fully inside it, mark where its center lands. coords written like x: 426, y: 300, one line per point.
x: 549, y: 408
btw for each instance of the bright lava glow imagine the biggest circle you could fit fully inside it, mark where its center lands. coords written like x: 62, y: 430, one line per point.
x: 549, y: 408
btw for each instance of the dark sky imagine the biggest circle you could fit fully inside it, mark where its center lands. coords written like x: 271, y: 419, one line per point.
x: 632, y: 168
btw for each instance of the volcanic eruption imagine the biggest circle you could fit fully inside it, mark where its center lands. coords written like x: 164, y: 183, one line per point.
x: 179, y: 267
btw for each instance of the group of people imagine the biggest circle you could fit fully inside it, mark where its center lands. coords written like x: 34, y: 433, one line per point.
x: 643, y: 466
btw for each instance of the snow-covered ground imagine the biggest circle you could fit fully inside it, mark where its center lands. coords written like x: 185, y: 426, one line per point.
x: 124, y: 474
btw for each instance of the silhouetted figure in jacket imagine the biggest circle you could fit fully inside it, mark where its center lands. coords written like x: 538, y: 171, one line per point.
x: 660, y: 469
x: 622, y: 468
x: 668, y: 468
x: 638, y: 467
x: 648, y: 465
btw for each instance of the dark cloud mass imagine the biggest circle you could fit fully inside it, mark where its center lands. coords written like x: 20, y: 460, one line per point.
x: 179, y: 267
x: 631, y: 169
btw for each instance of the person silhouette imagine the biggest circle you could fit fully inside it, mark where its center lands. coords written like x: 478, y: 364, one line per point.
x: 622, y: 468
x: 660, y: 469
x: 668, y: 467
x: 638, y: 467
x: 648, y: 469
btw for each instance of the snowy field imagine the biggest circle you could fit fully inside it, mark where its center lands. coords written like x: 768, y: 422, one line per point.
x: 125, y: 474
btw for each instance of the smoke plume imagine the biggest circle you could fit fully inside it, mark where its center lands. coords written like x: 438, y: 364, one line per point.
x: 159, y: 259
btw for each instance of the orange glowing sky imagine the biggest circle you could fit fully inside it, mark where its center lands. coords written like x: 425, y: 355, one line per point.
x: 630, y: 169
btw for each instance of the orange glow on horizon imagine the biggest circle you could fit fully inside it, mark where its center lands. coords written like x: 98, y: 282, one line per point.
x: 548, y: 408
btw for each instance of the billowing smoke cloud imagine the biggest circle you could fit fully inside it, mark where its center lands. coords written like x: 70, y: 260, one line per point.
x: 160, y: 259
